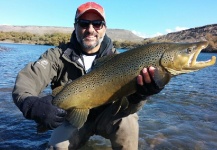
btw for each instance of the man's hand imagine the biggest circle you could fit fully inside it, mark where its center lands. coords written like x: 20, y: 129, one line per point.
x: 43, y: 112
x: 145, y: 76
x: 146, y: 85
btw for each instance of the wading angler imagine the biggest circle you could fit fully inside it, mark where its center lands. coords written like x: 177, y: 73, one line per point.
x: 97, y: 91
x: 62, y: 65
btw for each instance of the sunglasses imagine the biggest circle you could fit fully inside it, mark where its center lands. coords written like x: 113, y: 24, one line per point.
x: 97, y: 24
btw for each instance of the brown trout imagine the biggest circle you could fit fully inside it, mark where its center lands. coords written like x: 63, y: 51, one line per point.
x: 114, y: 76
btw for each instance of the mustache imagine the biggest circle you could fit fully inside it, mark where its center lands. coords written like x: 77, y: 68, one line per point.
x: 90, y: 34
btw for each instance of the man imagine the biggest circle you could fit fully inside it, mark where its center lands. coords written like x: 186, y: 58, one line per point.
x: 61, y: 65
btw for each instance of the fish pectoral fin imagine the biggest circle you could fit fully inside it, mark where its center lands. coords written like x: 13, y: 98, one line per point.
x: 161, y: 77
x: 119, y: 105
x: 124, y: 103
x: 116, y: 106
x: 77, y: 116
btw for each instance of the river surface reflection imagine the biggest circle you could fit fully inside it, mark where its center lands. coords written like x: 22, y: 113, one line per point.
x: 183, y: 116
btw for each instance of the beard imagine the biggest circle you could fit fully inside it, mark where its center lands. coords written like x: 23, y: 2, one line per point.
x: 85, y: 45
x: 91, y: 45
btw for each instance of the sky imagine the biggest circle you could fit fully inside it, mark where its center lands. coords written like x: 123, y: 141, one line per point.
x: 146, y: 18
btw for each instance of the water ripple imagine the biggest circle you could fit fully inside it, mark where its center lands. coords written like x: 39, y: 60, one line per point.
x: 182, y: 116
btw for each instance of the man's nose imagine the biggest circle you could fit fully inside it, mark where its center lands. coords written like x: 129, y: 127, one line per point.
x: 90, y: 28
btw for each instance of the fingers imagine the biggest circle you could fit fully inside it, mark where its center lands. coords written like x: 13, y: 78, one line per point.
x: 144, y: 77
x: 151, y: 71
x: 140, y: 80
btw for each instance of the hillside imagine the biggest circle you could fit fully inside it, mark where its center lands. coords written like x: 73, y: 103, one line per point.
x: 114, y: 34
x: 191, y: 35
x: 204, y: 33
x: 120, y: 36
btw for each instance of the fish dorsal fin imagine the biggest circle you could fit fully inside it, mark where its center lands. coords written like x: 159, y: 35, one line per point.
x: 100, y: 61
x: 161, y: 77
x: 57, y: 90
x: 77, y: 116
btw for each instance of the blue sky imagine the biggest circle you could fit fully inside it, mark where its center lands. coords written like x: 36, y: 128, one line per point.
x: 146, y: 18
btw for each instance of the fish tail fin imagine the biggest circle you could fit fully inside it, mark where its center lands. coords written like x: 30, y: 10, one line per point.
x: 77, y: 116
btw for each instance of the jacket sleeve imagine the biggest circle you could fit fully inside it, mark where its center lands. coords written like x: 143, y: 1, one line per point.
x: 33, y: 79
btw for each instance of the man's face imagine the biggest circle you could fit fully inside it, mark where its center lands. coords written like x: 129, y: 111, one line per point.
x: 90, y: 38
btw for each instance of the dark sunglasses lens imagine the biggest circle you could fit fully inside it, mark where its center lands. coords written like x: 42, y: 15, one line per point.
x: 97, y: 24
x: 83, y: 23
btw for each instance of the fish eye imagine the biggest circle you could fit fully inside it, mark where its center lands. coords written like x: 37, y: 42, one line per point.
x: 190, y: 50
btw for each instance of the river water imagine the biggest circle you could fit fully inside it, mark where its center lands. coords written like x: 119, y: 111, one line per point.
x: 182, y: 116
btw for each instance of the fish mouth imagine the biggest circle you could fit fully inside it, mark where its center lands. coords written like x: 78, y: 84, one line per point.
x: 194, y: 64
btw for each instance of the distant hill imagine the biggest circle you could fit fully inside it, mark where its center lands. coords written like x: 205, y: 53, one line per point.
x: 114, y: 34
x: 203, y: 33
x: 191, y: 35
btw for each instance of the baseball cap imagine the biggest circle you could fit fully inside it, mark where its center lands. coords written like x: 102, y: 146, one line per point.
x: 90, y: 6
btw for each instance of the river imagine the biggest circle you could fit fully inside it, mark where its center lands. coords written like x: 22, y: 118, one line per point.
x: 183, y: 116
